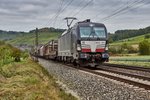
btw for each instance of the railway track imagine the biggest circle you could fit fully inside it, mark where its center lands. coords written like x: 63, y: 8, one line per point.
x: 138, y: 81
x: 128, y: 67
x: 129, y: 78
x: 127, y: 74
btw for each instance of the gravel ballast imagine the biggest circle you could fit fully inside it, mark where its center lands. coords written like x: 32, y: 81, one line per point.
x: 92, y: 87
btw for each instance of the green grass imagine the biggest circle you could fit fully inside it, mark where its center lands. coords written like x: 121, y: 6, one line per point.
x: 134, y: 63
x: 140, y: 64
x: 131, y: 41
x: 130, y: 58
x: 27, y: 80
x: 29, y: 38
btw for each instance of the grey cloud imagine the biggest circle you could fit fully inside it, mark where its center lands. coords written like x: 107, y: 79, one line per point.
x: 38, y: 13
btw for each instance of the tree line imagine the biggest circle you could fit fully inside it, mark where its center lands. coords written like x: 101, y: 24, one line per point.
x: 124, y: 34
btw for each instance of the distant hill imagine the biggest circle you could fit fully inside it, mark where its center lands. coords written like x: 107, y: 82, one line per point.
x: 47, y: 34
x: 132, y: 41
x: 46, y: 30
x: 8, y: 35
x: 28, y: 38
x: 124, y: 34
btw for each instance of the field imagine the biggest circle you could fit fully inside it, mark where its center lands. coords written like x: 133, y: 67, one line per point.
x: 131, y: 41
x: 143, y: 61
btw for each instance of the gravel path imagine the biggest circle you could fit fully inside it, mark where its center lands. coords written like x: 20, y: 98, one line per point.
x: 93, y: 87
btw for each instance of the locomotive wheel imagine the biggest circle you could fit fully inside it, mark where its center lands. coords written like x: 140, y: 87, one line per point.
x: 75, y: 62
x: 78, y: 66
x: 95, y: 66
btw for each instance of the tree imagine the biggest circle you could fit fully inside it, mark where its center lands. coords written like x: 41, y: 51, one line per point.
x: 144, y: 47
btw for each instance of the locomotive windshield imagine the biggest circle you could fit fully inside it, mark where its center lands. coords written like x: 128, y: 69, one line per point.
x: 94, y: 32
x: 100, y: 32
x: 85, y: 31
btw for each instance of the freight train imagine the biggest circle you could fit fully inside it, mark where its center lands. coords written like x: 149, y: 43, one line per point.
x: 86, y: 43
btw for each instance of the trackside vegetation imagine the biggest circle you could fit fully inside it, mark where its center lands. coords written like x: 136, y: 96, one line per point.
x: 144, y: 47
x: 24, y: 79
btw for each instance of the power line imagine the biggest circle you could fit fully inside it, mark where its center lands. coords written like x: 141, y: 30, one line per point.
x: 79, y: 4
x: 63, y: 9
x: 87, y: 4
x: 121, y: 10
x: 95, y: 16
x: 59, y: 10
x: 146, y: 3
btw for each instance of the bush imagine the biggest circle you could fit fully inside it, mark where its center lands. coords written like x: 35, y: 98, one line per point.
x: 144, y: 47
x: 16, y: 54
x: 123, y: 49
x: 5, y: 55
x: 2, y: 42
x: 25, y: 54
x: 147, y: 36
x: 9, y: 54
x: 113, y: 50
x: 132, y: 50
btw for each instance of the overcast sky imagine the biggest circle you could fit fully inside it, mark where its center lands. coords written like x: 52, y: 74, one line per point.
x: 25, y: 15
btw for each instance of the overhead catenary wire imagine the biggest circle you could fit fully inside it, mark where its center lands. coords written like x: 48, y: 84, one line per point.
x: 59, y: 10
x: 118, y: 11
x: 86, y: 5
x: 138, y: 6
x: 63, y: 9
x: 76, y: 9
x: 54, y: 16
x: 100, y: 12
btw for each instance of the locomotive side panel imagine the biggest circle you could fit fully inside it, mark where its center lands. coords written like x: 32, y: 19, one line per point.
x: 64, y: 45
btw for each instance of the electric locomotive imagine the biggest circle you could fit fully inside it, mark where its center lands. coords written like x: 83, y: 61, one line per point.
x: 86, y: 43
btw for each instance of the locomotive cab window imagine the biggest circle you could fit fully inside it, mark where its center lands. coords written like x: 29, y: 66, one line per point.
x: 85, y: 32
x: 100, y: 32
x: 92, y: 32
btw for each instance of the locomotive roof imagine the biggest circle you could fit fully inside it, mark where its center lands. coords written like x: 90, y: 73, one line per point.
x: 87, y: 24
x: 84, y: 23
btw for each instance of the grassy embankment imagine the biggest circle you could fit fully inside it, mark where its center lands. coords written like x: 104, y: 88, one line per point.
x: 26, y: 80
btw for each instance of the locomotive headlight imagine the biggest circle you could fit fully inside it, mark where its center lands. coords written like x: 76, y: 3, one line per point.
x: 106, y: 47
x: 78, y: 47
